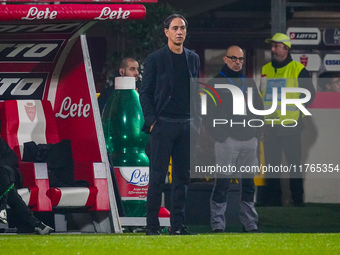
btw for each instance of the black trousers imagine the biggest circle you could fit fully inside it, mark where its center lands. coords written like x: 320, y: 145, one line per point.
x: 274, y: 145
x: 13, y: 199
x: 167, y: 139
x: 222, y: 188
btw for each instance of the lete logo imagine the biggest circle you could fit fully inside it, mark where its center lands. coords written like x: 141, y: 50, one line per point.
x: 138, y: 176
x: 73, y: 110
x: 34, y: 13
x: 106, y: 13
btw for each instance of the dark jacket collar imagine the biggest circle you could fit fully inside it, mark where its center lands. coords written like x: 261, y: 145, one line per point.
x: 166, y: 48
x: 277, y: 64
x: 230, y: 73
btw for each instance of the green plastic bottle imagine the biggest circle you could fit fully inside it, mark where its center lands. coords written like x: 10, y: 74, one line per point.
x: 122, y: 123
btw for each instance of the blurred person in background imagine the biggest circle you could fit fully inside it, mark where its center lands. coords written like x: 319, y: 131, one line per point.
x: 329, y: 81
x: 128, y: 67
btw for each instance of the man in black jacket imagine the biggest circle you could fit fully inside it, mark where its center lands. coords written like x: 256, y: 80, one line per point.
x: 236, y: 141
x: 10, y: 180
x: 171, y: 108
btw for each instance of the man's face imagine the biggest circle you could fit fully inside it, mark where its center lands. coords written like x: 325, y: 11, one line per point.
x: 279, y: 51
x: 131, y: 70
x: 234, y: 59
x: 334, y: 85
x: 177, y: 32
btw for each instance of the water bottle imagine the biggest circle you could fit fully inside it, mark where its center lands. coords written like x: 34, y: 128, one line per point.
x: 122, y: 123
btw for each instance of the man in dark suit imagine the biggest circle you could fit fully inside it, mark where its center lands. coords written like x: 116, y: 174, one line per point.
x: 170, y: 102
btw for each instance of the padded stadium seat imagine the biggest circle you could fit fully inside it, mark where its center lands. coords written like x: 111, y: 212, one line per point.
x: 25, y: 194
x: 72, y: 196
x: 35, y: 179
x: 34, y: 120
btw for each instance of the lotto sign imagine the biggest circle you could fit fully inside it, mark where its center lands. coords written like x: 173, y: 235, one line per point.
x: 22, y: 85
x: 304, y: 35
x: 29, y: 50
x: 312, y: 62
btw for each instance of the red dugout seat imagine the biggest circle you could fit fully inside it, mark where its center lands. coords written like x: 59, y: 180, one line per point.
x: 34, y: 120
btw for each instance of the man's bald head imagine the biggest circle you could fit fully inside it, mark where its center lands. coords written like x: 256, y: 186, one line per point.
x: 234, y: 58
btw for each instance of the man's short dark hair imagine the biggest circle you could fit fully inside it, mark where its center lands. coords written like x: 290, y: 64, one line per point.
x: 326, y: 78
x: 123, y: 63
x: 168, y: 20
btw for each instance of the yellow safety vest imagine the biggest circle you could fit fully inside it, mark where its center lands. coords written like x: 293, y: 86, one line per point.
x: 286, y: 76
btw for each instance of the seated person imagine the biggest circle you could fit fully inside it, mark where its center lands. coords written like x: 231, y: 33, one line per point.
x: 10, y: 180
x: 330, y: 81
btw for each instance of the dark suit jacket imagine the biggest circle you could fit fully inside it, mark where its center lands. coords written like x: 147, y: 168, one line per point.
x: 158, y: 80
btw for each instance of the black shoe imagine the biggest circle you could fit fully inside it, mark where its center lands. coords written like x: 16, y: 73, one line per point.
x: 3, y: 214
x: 181, y: 231
x: 3, y: 205
x: 268, y: 204
x: 152, y: 232
x: 43, y: 229
x: 252, y: 231
x: 218, y: 230
x: 299, y: 204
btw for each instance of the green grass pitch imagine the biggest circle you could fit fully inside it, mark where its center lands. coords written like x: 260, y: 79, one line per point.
x: 136, y: 244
